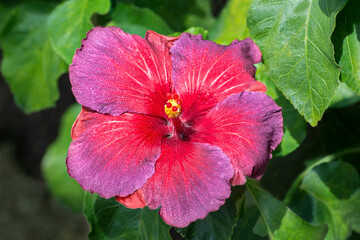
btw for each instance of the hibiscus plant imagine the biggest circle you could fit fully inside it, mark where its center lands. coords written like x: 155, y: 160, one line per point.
x: 234, y: 119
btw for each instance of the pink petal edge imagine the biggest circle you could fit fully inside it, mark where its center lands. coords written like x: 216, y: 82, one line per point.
x: 115, y: 72
x: 205, y: 73
x: 191, y: 180
x: 105, y: 157
x: 247, y: 127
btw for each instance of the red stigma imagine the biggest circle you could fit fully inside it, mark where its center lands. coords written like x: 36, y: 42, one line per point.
x: 173, y: 105
x: 168, y: 96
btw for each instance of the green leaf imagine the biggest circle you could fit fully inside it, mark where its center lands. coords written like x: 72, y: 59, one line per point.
x: 218, y: 224
x: 173, y: 12
x: 198, y: 30
x: 260, y: 227
x: 111, y: 220
x: 244, y: 228
x: 344, y: 97
x: 232, y: 22
x: 200, y: 15
x: 89, y: 212
x: 53, y: 166
x: 346, y: 38
x: 295, y: 126
x: 30, y: 66
x: 193, y: 30
x: 294, y: 38
x: 335, y: 189
x: 280, y: 221
x: 137, y: 20
x: 70, y: 21
x: 5, y: 15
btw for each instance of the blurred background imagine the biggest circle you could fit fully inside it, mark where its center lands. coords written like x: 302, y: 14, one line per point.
x: 27, y: 209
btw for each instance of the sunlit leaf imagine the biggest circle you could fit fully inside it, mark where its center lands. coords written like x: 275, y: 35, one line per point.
x: 232, y: 22
x: 195, y: 31
x: 346, y: 39
x: 294, y: 37
x: 335, y: 188
x: 280, y: 221
x: 30, y: 66
x: 70, y: 21
x: 54, y: 170
x: 111, y: 220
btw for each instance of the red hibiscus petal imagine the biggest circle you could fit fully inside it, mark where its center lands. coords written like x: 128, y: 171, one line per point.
x: 81, y: 122
x: 115, y: 155
x: 191, y: 180
x: 247, y: 127
x: 115, y: 72
x: 135, y: 200
x: 205, y: 73
x: 159, y: 41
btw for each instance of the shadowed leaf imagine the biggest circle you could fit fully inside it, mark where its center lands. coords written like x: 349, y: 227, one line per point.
x: 346, y: 39
x: 335, y: 188
x: 280, y: 221
x: 111, y: 220
x: 217, y: 225
x: 137, y: 20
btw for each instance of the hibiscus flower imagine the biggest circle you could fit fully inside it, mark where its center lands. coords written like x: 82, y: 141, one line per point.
x: 169, y: 122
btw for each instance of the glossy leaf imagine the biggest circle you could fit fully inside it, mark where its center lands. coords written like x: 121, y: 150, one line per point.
x: 30, y: 66
x: 218, y: 224
x: 294, y: 38
x: 137, y: 20
x: 232, y: 22
x: 280, y: 221
x: 111, y: 220
x: 70, y: 21
x: 346, y: 39
x: 54, y: 170
x: 335, y: 189
x: 294, y: 124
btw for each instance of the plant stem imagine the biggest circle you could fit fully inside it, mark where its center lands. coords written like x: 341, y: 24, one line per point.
x: 325, y: 159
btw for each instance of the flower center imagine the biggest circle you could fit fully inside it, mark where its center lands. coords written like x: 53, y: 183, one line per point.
x: 173, y: 111
x: 173, y: 106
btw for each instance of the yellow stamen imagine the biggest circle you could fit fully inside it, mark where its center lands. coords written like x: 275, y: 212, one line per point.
x: 173, y: 106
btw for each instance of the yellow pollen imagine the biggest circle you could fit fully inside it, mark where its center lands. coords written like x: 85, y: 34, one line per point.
x: 173, y: 106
